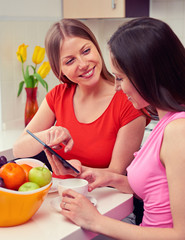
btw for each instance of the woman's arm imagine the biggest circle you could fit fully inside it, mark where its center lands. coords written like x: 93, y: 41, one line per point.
x: 84, y: 214
x: 42, y: 126
x: 81, y: 211
x: 173, y: 158
x: 102, y: 178
x: 128, y: 141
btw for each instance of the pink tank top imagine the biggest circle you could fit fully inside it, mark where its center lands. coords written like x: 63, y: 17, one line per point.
x: 147, y: 177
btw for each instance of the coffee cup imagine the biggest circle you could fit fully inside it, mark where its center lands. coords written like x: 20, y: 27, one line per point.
x: 76, y: 184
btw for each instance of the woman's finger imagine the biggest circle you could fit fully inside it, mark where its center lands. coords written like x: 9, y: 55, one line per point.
x: 57, y: 135
x: 52, y: 161
x: 58, y: 167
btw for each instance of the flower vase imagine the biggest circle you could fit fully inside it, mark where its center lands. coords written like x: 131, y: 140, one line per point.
x: 31, y: 104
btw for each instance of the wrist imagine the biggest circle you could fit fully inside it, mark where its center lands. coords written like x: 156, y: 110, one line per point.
x: 114, y: 180
x: 120, y: 182
x: 98, y: 226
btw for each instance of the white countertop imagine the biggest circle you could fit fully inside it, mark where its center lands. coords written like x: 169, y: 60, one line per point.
x: 48, y: 224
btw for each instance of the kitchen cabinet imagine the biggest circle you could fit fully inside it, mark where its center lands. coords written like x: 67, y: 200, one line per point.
x: 85, y: 9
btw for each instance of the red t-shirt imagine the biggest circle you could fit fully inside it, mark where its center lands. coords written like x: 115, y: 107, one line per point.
x: 93, y: 142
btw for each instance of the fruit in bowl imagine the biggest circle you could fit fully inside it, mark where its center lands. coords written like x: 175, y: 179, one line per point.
x: 28, y: 186
x: 17, y: 207
x: 40, y: 175
x: 13, y: 175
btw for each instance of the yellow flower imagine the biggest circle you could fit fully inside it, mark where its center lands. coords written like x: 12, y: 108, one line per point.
x: 22, y: 52
x: 38, y: 55
x: 31, y: 77
x: 44, y: 69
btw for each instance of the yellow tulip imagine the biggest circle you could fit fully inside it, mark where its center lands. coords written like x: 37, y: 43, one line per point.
x: 44, y: 69
x: 38, y: 55
x: 22, y: 52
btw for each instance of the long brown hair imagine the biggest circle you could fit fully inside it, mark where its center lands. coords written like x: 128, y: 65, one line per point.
x: 53, y: 42
x: 153, y: 58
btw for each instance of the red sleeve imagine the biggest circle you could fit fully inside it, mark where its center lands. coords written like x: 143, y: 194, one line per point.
x: 53, y: 97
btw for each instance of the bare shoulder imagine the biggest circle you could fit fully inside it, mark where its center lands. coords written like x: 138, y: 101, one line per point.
x: 173, y: 141
x: 175, y: 128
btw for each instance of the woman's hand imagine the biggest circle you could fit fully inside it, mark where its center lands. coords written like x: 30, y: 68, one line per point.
x: 57, y: 135
x: 58, y: 167
x: 79, y: 209
x: 104, y: 177
x: 96, y: 177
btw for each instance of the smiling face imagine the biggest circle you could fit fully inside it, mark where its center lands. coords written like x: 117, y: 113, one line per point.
x: 80, y: 61
x: 123, y: 82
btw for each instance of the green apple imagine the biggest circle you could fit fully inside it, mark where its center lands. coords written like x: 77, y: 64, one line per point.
x: 28, y: 186
x: 40, y: 175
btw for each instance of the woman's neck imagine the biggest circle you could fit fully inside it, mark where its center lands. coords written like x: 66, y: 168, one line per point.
x: 101, y: 88
x: 161, y: 113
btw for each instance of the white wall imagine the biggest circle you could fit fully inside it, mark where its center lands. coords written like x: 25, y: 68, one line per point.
x: 170, y: 11
x: 30, y: 9
x: 173, y: 13
x: 24, y: 21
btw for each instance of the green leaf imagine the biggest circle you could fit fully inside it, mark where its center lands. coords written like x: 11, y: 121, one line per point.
x: 34, y: 68
x: 46, y: 85
x: 35, y: 81
x: 42, y: 81
x: 27, y: 75
x: 21, y: 84
x: 29, y: 81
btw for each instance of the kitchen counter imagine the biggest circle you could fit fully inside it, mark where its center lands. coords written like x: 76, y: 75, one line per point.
x: 49, y: 224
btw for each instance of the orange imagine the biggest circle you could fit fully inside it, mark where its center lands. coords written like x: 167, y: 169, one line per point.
x: 13, y: 175
x: 26, y: 168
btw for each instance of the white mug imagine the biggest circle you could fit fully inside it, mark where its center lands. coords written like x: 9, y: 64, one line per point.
x: 77, y: 184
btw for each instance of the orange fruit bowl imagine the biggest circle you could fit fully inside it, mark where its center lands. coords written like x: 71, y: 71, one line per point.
x: 18, y: 207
